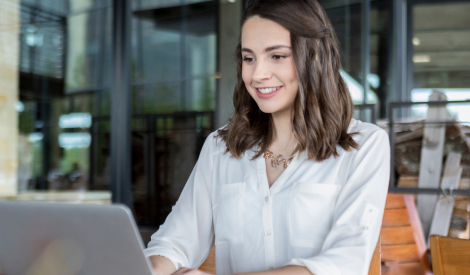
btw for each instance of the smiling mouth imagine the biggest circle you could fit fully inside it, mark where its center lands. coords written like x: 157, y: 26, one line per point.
x: 267, y: 90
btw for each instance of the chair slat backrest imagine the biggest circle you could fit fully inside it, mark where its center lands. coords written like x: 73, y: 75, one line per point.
x: 403, y: 245
x: 375, y: 264
x: 450, y: 256
x: 208, y: 265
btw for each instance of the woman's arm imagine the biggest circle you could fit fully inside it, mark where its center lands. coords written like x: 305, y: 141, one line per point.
x: 162, y: 266
x: 285, y: 270
x: 187, y: 235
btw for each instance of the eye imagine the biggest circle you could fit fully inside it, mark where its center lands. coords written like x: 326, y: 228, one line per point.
x: 248, y: 59
x: 278, y: 57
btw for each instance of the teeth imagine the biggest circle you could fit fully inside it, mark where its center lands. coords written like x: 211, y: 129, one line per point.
x: 268, y: 90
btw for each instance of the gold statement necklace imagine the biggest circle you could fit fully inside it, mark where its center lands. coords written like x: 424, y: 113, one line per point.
x: 277, y: 160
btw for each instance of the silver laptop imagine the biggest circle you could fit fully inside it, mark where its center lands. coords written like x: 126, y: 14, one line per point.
x: 64, y: 239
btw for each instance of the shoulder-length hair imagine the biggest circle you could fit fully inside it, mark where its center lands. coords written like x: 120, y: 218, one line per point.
x: 323, y: 107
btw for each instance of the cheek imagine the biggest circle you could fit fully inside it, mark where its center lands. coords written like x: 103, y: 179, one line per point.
x: 289, y: 76
x: 292, y: 74
x: 246, y: 75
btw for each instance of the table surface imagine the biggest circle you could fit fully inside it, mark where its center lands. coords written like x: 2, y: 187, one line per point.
x: 78, y: 197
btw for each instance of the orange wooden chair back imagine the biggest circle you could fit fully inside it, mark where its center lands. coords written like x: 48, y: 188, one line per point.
x: 209, y: 264
x: 403, y: 246
x: 450, y: 256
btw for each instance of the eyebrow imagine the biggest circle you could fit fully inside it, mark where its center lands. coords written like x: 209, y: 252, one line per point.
x: 268, y: 49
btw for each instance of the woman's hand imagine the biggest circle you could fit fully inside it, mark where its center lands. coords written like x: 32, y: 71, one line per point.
x: 187, y: 271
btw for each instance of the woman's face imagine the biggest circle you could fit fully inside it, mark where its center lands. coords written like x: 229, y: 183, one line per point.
x: 268, y: 68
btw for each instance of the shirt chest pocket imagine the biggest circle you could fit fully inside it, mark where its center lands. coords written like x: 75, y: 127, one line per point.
x: 228, y: 213
x: 311, y: 209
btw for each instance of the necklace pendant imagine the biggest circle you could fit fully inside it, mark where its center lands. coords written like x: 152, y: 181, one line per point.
x: 276, y: 160
x: 274, y: 163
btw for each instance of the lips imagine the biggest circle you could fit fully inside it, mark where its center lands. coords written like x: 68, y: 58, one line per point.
x: 267, y: 92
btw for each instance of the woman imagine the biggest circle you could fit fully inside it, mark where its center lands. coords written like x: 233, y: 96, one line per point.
x: 293, y: 184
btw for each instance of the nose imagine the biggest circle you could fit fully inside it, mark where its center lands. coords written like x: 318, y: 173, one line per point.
x: 261, y: 71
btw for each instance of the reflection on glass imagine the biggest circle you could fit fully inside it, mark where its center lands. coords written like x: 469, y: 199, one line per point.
x: 200, y: 94
x: 79, y: 5
x: 159, y: 98
x: 88, y: 50
x: 148, y: 4
x: 357, y: 91
x: 441, y: 46
x: 458, y: 112
x: 379, y: 78
x: 156, y: 54
x: 441, y: 50
x: 145, y: 4
x: 200, y: 54
x: 173, y: 98
x: 346, y: 19
x: 42, y: 42
x: 56, y: 105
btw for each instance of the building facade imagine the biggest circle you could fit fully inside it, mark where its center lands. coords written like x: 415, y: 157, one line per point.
x: 120, y: 95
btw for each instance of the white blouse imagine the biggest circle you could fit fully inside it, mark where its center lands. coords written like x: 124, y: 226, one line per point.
x: 325, y: 216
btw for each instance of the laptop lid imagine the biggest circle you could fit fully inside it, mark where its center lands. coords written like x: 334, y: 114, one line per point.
x: 66, y: 239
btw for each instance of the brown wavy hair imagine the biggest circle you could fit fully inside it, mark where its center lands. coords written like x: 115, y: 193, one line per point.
x: 322, y: 108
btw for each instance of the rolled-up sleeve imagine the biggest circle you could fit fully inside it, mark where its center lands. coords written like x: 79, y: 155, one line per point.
x: 187, y: 235
x: 350, y: 243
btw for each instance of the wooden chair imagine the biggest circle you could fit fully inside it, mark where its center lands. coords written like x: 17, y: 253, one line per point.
x: 403, y: 245
x: 450, y: 256
x: 375, y: 266
x: 209, y: 264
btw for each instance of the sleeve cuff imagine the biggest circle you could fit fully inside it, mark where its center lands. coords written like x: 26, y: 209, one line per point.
x: 318, y: 265
x: 167, y: 254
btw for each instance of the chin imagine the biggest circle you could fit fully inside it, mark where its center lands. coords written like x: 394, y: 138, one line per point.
x: 269, y: 109
x: 266, y: 111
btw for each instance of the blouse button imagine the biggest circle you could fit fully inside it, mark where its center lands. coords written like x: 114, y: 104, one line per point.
x: 268, y: 233
x: 266, y: 199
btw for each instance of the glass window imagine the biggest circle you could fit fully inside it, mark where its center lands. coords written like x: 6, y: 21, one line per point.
x: 346, y: 21
x: 89, y: 50
x: 199, y: 52
x: 441, y: 50
x: 163, y: 97
x: 157, y: 54
x: 346, y: 17
x: 151, y: 4
x: 174, y: 55
x: 85, y: 5
x: 63, y: 83
x: 200, y: 94
x: 379, y: 78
